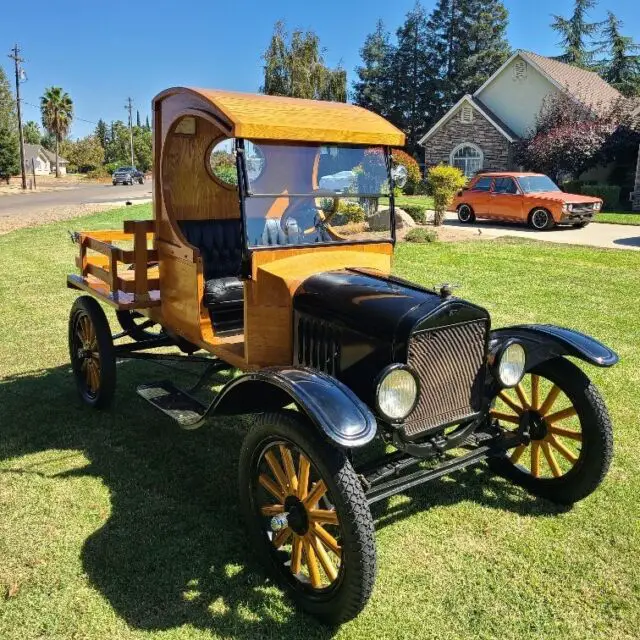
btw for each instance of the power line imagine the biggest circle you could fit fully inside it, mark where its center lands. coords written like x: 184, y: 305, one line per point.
x: 75, y: 117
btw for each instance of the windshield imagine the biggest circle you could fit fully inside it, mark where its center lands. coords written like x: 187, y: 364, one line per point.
x: 314, y: 193
x: 534, y: 184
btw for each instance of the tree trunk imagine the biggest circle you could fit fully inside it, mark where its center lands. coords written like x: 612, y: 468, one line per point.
x: 57, y: 168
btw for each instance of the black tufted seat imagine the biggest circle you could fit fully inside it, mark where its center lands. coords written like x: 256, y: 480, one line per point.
x: 220, y: 246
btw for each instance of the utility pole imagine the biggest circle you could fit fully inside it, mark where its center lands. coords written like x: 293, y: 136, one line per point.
x: 15, y: 56
x: 129, y: 108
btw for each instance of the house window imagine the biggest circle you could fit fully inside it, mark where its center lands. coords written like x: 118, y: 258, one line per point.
x: 519, y: 70
x: 466, y: 114
x: 468, y: 158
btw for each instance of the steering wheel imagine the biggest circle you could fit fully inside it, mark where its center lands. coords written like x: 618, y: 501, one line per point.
x: 323, y: 216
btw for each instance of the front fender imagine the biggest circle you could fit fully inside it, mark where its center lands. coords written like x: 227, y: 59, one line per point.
x: 546, y: 341
x: 330, y: 405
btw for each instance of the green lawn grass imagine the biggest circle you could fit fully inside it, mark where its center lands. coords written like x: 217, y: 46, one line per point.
x: 614, y: 217
x: 117, y: 525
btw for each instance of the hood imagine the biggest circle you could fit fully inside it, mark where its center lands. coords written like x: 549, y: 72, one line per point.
x: 383, y: 307
x: 568, y: 198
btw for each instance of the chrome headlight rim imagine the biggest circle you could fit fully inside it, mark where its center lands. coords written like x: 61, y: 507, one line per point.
x: 499, y: 354
x: 378, y: 384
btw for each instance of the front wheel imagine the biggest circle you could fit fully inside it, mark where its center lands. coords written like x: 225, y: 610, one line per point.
x: 570, y: 437
x: 541, y: 220
x: 307, y: 516
x: 465, y: 214
x: 91, y: 352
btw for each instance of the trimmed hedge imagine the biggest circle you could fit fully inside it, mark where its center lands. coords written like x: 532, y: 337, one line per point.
x: 610, y: 194
x: 417, y: 212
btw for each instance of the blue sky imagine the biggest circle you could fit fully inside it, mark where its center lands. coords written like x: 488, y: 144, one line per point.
x: 103, y: 52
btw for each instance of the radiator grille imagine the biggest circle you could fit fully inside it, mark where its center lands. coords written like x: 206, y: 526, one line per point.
x: 318, y: 345
x: 450, y: 362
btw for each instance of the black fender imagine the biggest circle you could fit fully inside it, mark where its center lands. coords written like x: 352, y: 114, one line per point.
x: 330, y: 405
x: 546, y: 341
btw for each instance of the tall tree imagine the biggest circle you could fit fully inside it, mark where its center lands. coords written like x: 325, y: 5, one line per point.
x: 138, y: 124
x: 469, y: 43
x: 575, y: 34
x: 147, y: 126
x: 31, y: 132
x: 372, y: 88
x: 294, y: 66
x: 621, y: 64
x: 57, y: 113
x: 102, y: 133
x: 412, y: 74
x: 9, y: 150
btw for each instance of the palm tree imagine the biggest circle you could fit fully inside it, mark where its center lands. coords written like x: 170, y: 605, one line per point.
x: 57, y: 112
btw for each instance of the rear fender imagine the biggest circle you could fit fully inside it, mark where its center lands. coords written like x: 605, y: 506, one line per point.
x: 545, y: 341
x: 330, y: 405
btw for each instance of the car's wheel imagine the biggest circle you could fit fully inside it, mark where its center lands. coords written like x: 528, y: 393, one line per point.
x: 114, y: 184
x: 571, y: 437
x: 541, y: 220
x: 91, y: 351
x: 137, y: 326
x: 466, y: 214
x: 141, y: 180
x: 581, y: 225
x: 308, y: 516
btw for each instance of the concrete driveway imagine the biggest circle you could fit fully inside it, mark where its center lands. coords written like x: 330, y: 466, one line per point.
x: 610, y: 236
x: 30, y: 203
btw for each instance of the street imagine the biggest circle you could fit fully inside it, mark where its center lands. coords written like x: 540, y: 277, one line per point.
x: 31, y: 203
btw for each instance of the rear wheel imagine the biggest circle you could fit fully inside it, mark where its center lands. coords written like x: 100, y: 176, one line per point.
x: 92, y: 354
x: 465, y: 214
x: 541, y: 220
x: 308, y: 516
x: 570, y: 434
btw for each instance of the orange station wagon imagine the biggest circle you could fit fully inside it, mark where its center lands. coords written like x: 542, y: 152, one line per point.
x: 523, y: 197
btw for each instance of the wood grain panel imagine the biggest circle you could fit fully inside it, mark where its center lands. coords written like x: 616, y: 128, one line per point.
x: 189, y: 190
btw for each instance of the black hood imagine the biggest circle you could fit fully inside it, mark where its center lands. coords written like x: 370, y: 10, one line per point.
x: 383, y: 307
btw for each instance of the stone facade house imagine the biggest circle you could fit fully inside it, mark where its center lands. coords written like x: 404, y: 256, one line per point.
x: 479, y: 131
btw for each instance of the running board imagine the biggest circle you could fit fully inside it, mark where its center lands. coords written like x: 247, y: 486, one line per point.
x: 398, y: 485
x: 184, y: 409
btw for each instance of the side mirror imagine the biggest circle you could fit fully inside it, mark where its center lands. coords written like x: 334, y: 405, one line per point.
x: 399, y: 174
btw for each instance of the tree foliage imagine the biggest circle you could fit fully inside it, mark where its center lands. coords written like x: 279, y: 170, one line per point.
x: 575, y: 33
x: 9, y: 150
x: 620, y: 66
x: 413, y: 169
x: 31, y: 132
x: 102, y: 133
x: 444, y: 182
x: 294, y: 66
x: 57, y: 113
x: 84, y: 155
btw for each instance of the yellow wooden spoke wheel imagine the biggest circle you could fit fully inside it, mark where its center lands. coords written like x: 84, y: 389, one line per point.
x: 567, y: 432
x: 91, y: 352
x: 308, y: 515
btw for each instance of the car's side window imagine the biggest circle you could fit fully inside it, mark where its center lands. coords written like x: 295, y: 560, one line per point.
x: 505, y: 185
x: 483, y: 184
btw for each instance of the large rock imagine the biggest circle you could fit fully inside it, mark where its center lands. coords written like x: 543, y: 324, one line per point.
x: 379, y: 221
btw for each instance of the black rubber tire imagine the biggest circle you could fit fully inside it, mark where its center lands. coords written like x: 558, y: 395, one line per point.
x: 597, y: 439
x: 141, y: 180
x: 126, y: 321
x: 580, y: 225
x: 102, y: 398
x: 472, y: 216
x: 549, y: 224
x: 346, y: 599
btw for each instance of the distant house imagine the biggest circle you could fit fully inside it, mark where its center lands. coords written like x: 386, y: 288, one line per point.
x: 43, y: 160
x: 479, y: 131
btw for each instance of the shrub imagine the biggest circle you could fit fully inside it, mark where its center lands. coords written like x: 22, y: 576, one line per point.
x: 348, y: 211
x: 99, y: 172
x: 444, y: 182
x: 572, y: 186
x: 421, y: 235
x: 417, y: 212
x: 610, y: 194
x: 413, y: 170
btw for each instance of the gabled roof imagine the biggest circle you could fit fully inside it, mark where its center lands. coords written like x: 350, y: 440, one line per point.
x: 585, y: 86
x: 500, y: 126
x: 51, y: 156
x: 33, y: 151
x: 258, y: 116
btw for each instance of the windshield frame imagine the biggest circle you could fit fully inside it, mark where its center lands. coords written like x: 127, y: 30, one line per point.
x: 244, y: 192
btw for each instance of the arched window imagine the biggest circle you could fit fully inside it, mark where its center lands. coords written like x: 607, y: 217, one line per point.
x: 468, y: 158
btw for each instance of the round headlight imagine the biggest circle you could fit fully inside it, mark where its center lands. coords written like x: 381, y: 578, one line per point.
x: 396, y: 393
x: 511, y: 365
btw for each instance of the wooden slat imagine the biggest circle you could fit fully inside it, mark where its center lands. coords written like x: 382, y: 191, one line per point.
x: 130, y: 226
x: 118, y: 299
x: 140, y: 261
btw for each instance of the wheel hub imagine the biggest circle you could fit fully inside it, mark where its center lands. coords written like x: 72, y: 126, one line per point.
x: 533, y: 423
x: 297, y: 517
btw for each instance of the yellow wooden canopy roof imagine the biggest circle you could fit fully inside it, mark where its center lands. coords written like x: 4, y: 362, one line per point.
x: 258, y: 116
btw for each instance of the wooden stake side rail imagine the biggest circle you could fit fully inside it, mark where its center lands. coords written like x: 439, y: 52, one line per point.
x: 131, y: 288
